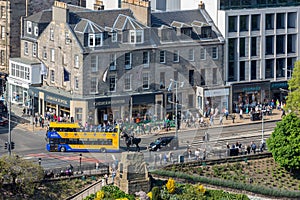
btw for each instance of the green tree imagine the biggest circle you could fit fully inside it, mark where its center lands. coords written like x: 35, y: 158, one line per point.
x: 284, y: 142
x: 23, y: 176
x: 293, y: 98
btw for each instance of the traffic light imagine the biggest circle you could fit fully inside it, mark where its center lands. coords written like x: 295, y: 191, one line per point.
x: 6, y: 145
x: 12, y: 145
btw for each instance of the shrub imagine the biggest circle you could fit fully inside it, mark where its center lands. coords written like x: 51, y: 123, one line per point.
x: 155, y: 193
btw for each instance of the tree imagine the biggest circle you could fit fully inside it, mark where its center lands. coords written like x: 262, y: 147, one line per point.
x: 284, y: 142
x: 293, y: 98
x: 23, y: 176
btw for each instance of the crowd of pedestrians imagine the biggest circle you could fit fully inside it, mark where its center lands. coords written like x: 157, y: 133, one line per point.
x: 239, y: 149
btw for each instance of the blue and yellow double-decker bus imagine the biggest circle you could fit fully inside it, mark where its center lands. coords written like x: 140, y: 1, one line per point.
x: 62, y: 136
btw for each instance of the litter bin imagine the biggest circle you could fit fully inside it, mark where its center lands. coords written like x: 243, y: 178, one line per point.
x: 180, y: 159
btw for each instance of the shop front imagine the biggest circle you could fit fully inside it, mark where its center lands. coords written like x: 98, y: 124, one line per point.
x: 279, y: 90
x: 18, y: 91
x: 143, y: 107
x: 248, y: 95
x: 57, y: 104
x: 209, y: 100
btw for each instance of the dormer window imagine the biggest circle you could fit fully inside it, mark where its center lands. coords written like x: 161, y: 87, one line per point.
x: 186, y: 31
x: 29, y: 27
x: 95, y: 40
x: 36, y: 31
x: 136, y: 36
x: 114, y: 37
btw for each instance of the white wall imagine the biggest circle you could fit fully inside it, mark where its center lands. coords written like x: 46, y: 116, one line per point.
x: 190, y: 4
x: 108, y: 4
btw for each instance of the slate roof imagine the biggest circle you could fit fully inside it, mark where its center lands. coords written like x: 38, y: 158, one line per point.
x: 124, y: 22
x: 166, y: 18
x: 44, y: 16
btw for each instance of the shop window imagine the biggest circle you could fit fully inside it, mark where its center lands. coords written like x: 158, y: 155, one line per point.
x: 78, y: 114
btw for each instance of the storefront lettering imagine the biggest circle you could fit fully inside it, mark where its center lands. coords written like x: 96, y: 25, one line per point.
x: 56, y: 100
x: 279, y: 85
x: 251, y: 89
x: 113, y: 102
x: 215, y: 93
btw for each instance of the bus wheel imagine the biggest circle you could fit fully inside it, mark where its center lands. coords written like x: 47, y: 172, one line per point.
x: 62, y: 149
x: 103, y: 150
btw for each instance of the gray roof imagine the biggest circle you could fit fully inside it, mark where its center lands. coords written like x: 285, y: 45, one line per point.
x: 184, y: 16
x: 44, y: 16
x: 25, y: 61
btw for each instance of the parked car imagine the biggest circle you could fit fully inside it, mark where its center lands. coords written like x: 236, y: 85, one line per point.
x: 160, y: 143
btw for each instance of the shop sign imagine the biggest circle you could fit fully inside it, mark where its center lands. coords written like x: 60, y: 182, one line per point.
x: 57, y: 100
x: 250, y: 89
x: 216, y: 92
x: 110, y: 102
x: 277, y: 85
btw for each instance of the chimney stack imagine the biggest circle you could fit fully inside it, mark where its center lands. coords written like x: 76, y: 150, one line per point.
x: 60, y: 12
x: 201, y: 5
x: 141, y: 10
x: 98, y: 5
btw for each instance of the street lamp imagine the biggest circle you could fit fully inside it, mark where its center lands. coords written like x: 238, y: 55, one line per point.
x: 80, y: 156
x: 40, y: 161
x: 176, y: 102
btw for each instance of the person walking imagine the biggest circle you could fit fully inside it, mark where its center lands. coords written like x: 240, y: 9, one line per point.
x: 221, y: 119
x: 241, y: 113
x: 211, y: 119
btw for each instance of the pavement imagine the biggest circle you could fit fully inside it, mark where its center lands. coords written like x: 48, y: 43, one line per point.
x: 25, y: 121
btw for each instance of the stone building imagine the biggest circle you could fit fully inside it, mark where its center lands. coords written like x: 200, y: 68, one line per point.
x: 105, y: 65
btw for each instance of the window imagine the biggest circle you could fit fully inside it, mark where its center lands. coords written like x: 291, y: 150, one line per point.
x: 280, y: 66
x: 52, y: 76
x: 127, y: 82
x: 27, y: 74
x: 176, y: 56
x: 76, y: 61
x: 162, y: 81
x: 269, y: 73
x: 36, y: 31
x: 202, y: 82
x: 215, y: 52
x: 269, y: 45
x: 176, y: 75
x: 95, y: 40
x: 52, y: 55
x: 269, y: 21
x: 203, y: 54
x: 214, y: 77
x: 292, y: 20
x: 94, y: 66
x: 76, y: 83
x: 242, y: 47
x: 191, y: 55
x: 26, y: 48
x: 186, y: 31
x: 254, y: 46
x: 162, y: 56
x: 112, y: 83
x: 29, y: 27
x: 3, y: 12
x: 145, y: 80
x: 232, y: 23
x: 242, y: 71
x: 128, y: 58
x: 136, y: 36
x: 244, y: 22
x: 191, y: 77
x: 94, y: 83
x: 255, y: 22
x: 51, y: 34
x: 146, y: 58
x: 291, y: 43
x: 78, y: 114
x: 280, y: 44
x: 280, y: 21
x: 253, y: 69
x: 67, y: 38
x: 2, y: 59
x: 34, y: 50
x: 2, y: 32
x: 190, y: 100
x: 112, y: 64
x: 13, y: 69
x: 114, y: 37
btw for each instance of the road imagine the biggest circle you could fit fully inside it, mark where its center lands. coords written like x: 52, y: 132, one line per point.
x: 31, y: 145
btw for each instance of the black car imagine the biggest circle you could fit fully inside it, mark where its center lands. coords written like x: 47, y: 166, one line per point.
x: 160, y: 142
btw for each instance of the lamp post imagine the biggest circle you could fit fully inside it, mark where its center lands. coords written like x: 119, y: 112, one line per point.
x: 80, y: 156
x: 176, y: 102
x: 40, y: 161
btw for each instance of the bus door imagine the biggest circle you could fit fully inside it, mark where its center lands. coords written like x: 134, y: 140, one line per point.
x: 53, y: 142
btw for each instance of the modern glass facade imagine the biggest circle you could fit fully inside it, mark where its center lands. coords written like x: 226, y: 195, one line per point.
x: 241, y: 4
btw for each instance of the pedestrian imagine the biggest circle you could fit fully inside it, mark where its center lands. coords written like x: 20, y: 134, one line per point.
x: 40, y: 121
x: 241, y: 113
x: 226, y: 113
x: 211, y: 119
x: 253, y: 147
x: 204, y: 154
x: 24, y: 111
x: 282, y: 112
x: 36, y: 120
x: 97, y: 165
x: 197, y: 154
x: 106, y: 179
x: 43, y: 121
x: 160, y: 159
x: 221, y: 119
